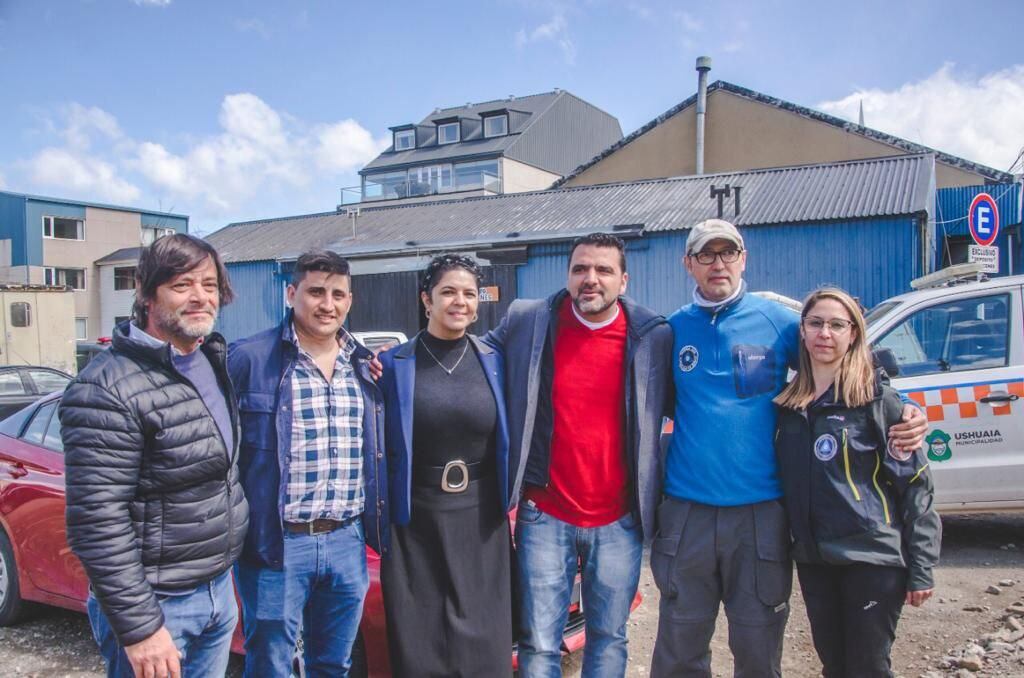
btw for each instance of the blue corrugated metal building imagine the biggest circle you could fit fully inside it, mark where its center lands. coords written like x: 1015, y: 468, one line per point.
x: 865, y: 225
x: 953, y: 232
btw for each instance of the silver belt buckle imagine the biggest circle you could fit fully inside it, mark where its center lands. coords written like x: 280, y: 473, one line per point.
x: 447, y: 485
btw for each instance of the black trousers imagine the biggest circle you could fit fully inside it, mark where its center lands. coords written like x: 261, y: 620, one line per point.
x: 853, y: 610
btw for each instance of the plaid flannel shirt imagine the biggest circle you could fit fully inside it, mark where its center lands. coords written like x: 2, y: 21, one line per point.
x: 325, y: 476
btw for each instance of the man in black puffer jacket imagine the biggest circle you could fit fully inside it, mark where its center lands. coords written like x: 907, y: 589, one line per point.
x: 155, y: 511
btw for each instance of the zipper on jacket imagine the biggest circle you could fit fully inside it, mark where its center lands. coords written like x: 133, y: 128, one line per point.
x: 874, y: 480
x: 846, y: 464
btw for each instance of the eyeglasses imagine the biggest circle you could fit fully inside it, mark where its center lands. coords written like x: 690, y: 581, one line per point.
x: 707, y: 257
x: 835, y: 325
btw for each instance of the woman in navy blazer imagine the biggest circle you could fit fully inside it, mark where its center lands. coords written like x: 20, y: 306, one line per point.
x: 447, y: 580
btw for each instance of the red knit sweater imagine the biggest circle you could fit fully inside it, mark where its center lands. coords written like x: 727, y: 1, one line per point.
x: 588, y: 474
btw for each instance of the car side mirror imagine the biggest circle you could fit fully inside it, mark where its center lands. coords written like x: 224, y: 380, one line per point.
x: 886, y: 359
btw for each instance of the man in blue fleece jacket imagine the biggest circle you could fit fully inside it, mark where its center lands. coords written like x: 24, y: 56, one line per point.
x: 722, y: 532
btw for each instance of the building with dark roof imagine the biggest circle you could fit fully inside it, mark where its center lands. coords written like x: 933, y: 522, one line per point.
x: 747, y: 130
x: 866, y: 225
x: 491, y: 148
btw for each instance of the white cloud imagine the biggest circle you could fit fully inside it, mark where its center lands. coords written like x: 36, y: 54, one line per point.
x: 86, y: 176
x: 689, y: 23
x: 977, y: 119
x: 260, y: 154
x: 3, y: 182
x: 556, y: 30
x: 152, y: 3
x: 344, y: 146
x: 83, y: 122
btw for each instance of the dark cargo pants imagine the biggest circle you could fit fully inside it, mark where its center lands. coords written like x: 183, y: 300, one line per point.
x: 704, y: 556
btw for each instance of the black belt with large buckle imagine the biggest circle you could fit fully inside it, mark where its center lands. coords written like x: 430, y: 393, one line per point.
x: 319, y: 526
x: 453, y: 477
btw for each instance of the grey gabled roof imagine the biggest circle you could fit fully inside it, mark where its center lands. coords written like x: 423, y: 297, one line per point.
x: 582, y: 130
x: 117, y: 256
x: 993, y: 174
x: 858, y: 189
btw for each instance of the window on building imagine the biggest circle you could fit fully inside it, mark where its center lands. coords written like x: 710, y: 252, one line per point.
x: 480, y: 174
x: 72, y: 277
x: 496, y: 125
x: 124, y: 277
x: 21, y: 314
x: 405, y: 139
x: 955, y: 249
x: 152, y: 233
x: 448, y: 133
x: 62, y: 228
x: 81, y: 329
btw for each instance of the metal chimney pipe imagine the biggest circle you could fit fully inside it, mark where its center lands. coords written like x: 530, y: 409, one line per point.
x: 703, y: 66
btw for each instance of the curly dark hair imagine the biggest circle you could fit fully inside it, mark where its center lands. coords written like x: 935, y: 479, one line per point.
x: 443, y: 263
x: 601, y: 240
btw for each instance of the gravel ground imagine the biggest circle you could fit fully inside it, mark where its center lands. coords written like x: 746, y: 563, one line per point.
x: 964, y: 623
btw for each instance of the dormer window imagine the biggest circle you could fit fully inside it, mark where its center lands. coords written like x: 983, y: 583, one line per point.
x: 448, y: 133
x: 405, y: 139
x: 496, y: 125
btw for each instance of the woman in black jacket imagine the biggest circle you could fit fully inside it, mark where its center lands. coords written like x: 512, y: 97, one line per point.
x: 865, y: 535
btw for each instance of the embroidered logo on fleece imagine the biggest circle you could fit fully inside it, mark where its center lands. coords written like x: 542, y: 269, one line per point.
x: 825, y: 447
x: 688, y: 357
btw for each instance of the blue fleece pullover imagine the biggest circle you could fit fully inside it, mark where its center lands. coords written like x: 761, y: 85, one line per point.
x: 728, y: 365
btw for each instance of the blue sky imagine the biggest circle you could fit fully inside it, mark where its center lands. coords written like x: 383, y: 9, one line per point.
x: 230, y: 111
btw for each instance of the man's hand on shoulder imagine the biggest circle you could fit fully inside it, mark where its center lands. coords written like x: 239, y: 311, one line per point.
x: 909, y: 433
x: 155, y: 657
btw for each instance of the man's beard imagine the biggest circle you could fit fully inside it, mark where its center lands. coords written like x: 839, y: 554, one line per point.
x: 173, y: 323
x: 592, y: 307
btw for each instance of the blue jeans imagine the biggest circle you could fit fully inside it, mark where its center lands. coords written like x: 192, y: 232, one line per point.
x: 200, y: 622
x: 321, y: 586
x: 548, y: 551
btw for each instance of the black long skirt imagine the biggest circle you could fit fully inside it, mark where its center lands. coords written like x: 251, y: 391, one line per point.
x: 447, y: 586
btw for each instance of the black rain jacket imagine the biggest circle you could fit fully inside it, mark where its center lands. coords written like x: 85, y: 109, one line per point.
x: 850, y: 497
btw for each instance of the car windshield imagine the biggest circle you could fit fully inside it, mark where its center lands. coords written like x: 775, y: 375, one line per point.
x: 880, y: 311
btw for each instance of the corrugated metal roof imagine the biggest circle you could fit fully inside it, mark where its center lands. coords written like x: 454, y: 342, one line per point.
x: 896, y: 185
x: 891, y: 140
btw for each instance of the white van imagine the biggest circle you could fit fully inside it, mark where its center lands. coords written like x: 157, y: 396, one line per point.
x: 959, y: 351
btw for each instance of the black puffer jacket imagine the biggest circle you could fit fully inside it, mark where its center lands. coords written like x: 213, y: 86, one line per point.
x: 153, y: 498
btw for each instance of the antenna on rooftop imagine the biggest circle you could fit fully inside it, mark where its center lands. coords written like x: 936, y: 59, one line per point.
x: 861, y: 121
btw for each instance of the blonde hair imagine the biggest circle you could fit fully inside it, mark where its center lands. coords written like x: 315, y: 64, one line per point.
x: 855, y: 378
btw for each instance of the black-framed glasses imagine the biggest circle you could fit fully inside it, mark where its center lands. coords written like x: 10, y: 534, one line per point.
x: 836, y: 325
x: 707, y: 257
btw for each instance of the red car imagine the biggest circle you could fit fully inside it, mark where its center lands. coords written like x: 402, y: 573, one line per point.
x: 37, y: 565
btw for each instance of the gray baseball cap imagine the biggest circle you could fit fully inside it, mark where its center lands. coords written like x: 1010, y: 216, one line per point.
x: 712, y: 229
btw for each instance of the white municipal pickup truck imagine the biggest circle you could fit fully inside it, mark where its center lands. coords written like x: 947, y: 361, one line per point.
x: 958, y: 351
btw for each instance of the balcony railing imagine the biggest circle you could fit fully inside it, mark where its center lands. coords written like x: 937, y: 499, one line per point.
x: 411, y: 188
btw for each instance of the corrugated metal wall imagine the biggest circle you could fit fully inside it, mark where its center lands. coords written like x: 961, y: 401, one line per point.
x: 952, y: 204
x: 873, y: 259
x: 259, y: 299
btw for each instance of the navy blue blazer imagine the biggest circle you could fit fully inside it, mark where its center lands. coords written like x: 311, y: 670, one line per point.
x: 398, y: 384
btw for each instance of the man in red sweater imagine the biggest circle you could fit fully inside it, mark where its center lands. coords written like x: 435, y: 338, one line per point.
x: 586, y: 381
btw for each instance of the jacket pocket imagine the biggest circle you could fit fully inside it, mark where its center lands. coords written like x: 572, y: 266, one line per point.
x: 671, y: 519
x: 663, y: 558
x: 257, y: 418
x: 773, y: 574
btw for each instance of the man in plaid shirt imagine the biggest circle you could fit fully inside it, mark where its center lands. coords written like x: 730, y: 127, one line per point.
x: 311, y: 466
